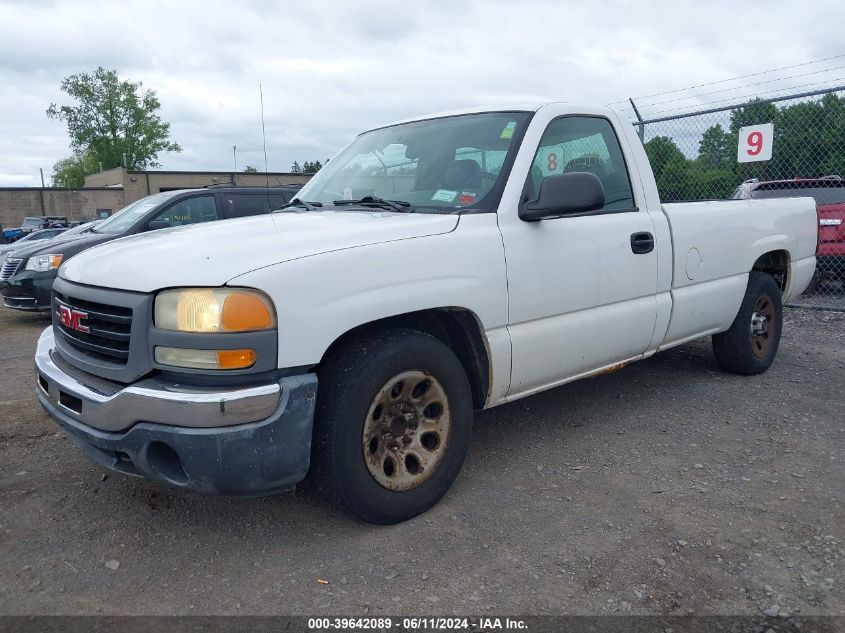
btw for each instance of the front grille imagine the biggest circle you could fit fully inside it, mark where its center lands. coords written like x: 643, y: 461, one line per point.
x: 10, y: 267
x: 108, y: 326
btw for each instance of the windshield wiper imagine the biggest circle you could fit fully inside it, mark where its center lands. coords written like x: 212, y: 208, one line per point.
x: 296, y: 202
x: 372, y: 201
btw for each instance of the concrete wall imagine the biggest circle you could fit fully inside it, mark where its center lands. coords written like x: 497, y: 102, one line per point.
x: 138, y: 184
x: 16, y: 203
x: 115, y: 188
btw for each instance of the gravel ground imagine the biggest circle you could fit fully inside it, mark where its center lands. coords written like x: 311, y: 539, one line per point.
x: 666, y: 488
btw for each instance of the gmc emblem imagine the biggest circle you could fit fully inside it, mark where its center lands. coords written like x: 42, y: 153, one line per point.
x: 72, y: 319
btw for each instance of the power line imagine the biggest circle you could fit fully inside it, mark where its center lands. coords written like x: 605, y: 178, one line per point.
x: 759, y: 83
x: 753, y: 95
x: 721, y: 81
x: 743, y: 98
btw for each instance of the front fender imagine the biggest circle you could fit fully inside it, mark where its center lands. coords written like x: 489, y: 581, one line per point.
x: 320, y: 298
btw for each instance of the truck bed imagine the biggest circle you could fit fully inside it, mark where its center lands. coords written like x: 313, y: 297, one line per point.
x: 713, y: 240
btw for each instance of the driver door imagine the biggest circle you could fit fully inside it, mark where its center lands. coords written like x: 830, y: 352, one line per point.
x: 580, y: 298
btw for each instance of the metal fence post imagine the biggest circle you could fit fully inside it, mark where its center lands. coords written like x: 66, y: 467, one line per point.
x: 640, y: 125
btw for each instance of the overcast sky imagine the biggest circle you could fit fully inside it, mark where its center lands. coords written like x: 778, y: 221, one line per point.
x: 331, y: 68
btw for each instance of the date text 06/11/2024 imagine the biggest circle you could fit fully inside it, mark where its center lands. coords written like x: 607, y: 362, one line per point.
x: 417, y: 624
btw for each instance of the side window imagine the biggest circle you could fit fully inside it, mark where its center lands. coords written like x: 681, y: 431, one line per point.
x: 190, y: 211
x: 582, y: 143
x: 238, y: 205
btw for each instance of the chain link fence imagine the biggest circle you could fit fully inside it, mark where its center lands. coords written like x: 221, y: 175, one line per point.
x: 694, y: 157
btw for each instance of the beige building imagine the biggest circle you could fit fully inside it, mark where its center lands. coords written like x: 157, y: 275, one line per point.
x: 114, y: 189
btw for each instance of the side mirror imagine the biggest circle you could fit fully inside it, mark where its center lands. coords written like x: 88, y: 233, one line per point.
x: 574, y: 193
x: 155, y: 225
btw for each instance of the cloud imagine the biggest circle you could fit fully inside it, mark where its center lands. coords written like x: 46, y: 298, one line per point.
x: 330, y: 69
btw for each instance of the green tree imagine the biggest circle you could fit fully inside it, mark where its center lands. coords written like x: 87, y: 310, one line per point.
x: 311, y: 168
x: 112, y: 119
x: 810, y: 139
x: 71, y: 172
x: 755, y: 113
x: 710, y: 183
x: 661, y: 151
x: 717, y: 148
x: 670, y: 167
x: 295, y: 168
x: 250, y: 169
x: 833, y: 135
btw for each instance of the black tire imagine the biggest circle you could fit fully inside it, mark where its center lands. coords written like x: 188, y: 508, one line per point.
x: 349, y: 384
x: 738, y: 351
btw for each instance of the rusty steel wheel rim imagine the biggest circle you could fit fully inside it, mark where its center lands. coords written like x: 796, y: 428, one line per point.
x: 407, y: 430
x: 763, y: 326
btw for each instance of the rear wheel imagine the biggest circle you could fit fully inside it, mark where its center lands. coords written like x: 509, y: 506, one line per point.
x: 394, y: 418
x: 750, y: 345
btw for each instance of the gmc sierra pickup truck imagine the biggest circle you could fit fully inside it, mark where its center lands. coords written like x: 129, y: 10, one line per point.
x: 434, y: 267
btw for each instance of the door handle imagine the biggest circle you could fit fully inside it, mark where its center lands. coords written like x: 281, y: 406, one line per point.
x: 642, y: 243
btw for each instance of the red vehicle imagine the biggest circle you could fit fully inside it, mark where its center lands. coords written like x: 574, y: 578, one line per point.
x: 829, y: 193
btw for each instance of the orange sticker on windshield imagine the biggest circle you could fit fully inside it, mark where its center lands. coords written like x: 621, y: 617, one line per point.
x: 466, y: 198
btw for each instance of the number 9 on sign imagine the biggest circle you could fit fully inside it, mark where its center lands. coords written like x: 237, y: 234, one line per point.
x: 755, y: 143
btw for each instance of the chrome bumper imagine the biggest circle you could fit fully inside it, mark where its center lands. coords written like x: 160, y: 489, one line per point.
x: 151, y: 400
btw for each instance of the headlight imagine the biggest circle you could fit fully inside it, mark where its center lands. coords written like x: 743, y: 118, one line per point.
x: 44, y: 263
x: 213, y: 310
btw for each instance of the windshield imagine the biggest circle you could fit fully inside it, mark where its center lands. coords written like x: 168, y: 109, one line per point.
x: 36, y: 235
x: 823, y: 194
x: 130, y: 214
x: 82, y: 228
x: 437, y: 165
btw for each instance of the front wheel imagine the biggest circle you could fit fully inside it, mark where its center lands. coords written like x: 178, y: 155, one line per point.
x: 393, y: 423
x: 750, y: 345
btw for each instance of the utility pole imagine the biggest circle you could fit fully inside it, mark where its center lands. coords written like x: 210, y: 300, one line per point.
x: 235, y: 164
x: 41, y: 169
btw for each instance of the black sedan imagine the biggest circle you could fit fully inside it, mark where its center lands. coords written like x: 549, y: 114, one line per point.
x: 27, y: 275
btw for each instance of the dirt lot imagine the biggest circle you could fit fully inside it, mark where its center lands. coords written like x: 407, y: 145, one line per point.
x: 666, y: 488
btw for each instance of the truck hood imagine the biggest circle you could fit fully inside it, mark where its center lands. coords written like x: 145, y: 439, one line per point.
x: 212, y: 254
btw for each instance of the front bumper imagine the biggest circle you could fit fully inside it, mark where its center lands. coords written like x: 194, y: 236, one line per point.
x: 250, y: 440
x: 28, y: 290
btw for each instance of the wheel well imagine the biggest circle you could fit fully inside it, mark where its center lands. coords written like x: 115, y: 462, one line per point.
x: 776, y: 264
x: 456, y: 327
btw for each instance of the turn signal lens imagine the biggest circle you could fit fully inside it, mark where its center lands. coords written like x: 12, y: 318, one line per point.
x: 205, y: 358
x: 213, y: 310
x: 244, y: 312
x: 236, y: 358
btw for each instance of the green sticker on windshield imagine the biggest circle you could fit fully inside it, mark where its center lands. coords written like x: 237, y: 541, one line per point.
x: 444, y: 195
x: 508, y: 131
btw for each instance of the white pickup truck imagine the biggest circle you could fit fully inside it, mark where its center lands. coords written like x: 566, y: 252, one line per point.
x: 434, y: 267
